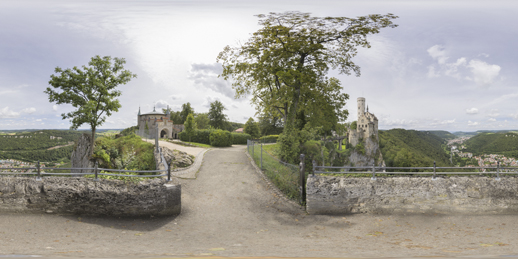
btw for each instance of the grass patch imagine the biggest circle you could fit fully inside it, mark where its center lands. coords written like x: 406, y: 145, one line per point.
x: 285, y: 177
x: 189, y: 144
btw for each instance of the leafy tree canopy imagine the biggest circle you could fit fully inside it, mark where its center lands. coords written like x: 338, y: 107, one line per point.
x: 287, y: 60
x: 186, y: 110
x: 252, y: 128
x: 202, y: 120
x: 90, y: 90
x: 217, y: 119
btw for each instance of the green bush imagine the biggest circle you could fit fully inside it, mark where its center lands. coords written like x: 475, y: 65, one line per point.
x: 269, y: 139
x: 199, y: 136
x: 220, y: 138
x: 240, y: 138
x: 128, y: 152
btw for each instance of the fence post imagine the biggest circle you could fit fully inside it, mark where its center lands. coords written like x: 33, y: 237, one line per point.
x: 156, y: 138
x: 95, y: 172
x: 302, y: 180
x: 497, y: 170
x: 261, y: 156
x: 373, y: 172
x: 169, y: 171
x: 314, y: 167
x: 434, y: 169
x: 39, y: 171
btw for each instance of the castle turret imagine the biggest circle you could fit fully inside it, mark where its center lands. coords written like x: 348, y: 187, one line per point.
x: 361, y: 107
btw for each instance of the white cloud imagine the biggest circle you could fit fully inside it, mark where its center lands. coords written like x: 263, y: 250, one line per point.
x: 54, y: 107
x: 471, y: 123
x: 207, y: 75
x: 161, y: 104
x: 176, y: 97
x: 38, y: 119
x: 6, y: 113
x: 484, y: 74
x: 29, y: 110
x: 472, y: 111
x: 437, y: 52
x: 493, y: 113
x: 492, y: 119
x: 443, y: 122
x: 398, y: 122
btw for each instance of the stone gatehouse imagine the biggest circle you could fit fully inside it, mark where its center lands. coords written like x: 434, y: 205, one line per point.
x: 149, y: 122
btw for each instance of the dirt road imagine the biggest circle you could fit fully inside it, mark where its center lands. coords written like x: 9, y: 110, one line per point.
x: 228, y: 210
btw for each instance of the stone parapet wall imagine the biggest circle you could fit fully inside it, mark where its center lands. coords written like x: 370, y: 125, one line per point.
x: 75, y: 195
x: 412, y: 195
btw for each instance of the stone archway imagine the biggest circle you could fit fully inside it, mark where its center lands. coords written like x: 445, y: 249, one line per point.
x: 164, y: 134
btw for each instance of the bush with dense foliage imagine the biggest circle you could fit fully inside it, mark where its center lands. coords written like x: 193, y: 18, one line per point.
x: 128, y: 152
x: 240, y: 138
x: 220, y: 138
x: 198, y: 136
x: 269, y: 138
x: 129, y: 131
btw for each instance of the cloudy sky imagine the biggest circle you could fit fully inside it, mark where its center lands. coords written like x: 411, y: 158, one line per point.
x: 450, y: 65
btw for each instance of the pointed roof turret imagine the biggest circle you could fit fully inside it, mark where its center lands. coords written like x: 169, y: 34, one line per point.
x: 154, y: 108
x: 139, y: 110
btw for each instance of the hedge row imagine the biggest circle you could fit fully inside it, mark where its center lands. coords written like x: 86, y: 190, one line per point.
x: 217, y: 138
x: 240, y: 138
x: 269, y: 138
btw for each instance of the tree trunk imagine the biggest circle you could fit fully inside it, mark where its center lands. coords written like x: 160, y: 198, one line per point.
x: 92, y: 142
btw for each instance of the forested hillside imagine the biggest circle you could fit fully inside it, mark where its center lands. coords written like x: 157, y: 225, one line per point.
x: 411, y: 148
x: 443, y: 134
x: 54, y: 155
x: 37, y: 140
x: 493, y: 143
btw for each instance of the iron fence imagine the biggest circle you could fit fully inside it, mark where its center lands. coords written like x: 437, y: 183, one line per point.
x: 39, y: 172
x: 289, y: 178
x: 433, y: 171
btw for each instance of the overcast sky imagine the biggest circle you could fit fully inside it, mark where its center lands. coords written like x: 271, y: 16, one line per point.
x: 450, y: 65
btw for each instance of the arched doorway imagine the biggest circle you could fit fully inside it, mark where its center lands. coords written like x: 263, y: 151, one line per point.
x: 163, y: 134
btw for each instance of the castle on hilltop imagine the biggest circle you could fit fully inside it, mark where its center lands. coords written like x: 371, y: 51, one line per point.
x: 366, y: 125
x: 149, y: 124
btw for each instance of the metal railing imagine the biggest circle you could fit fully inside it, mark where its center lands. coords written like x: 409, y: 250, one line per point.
x: 287, y: 177
x: 379, y: 170
x: 96, y: 172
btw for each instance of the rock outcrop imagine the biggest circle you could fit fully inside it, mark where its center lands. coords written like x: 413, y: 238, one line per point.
x: 178, y: 159
x: 372, y: 155
x: 81, y: 154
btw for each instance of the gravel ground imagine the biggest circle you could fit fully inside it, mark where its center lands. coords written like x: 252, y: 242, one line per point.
x: 229, y: 210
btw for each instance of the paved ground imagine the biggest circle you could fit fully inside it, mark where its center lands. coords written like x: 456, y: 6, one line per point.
x: 228, y: 210
x: 189, y: 150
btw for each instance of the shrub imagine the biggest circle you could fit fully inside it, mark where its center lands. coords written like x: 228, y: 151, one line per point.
x: 199, y: 136
x: 240, y: 138
x: 269, y: 138
x: 220, y: 138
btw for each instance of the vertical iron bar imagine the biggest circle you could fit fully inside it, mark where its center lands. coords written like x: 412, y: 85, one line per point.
x: 261, y: 156
x: 497, y: 170
x: 39, y: 171
x: 95, y: 172
x: 169, y: 171
x: 373, y: 172
x: 302, y: 180
x: 434, y: 170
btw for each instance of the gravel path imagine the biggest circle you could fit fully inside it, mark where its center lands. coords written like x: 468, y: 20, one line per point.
x: 229, y: 210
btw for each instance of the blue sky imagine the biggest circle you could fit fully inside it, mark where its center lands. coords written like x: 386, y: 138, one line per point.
x: 450, y: 65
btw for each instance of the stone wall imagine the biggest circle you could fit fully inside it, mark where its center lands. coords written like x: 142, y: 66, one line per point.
x: 412, y: 195
x: 67, y: 195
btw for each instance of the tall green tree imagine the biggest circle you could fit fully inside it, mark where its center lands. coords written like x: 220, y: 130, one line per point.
x: 270, y: 124
x: 91, y: 90
x: 186, y: 110
x: 190, y: 126
x: 202, y: 120
x: 252, y: 128
x: 285, y: 62
x: 217, y: 119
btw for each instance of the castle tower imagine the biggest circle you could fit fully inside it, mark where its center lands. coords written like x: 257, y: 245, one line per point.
x: 361, y: 107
